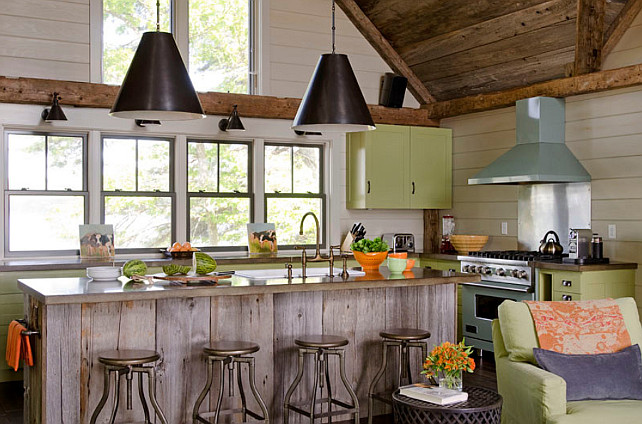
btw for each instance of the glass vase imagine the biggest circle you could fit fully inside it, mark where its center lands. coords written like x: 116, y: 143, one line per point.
x: 451, y: 380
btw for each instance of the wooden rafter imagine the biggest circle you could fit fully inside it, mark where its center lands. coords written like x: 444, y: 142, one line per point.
x: 563, y: 87
x: 589, y: 36
x: 385, y: 49
x: 84, y: 94
x: 621, y: 23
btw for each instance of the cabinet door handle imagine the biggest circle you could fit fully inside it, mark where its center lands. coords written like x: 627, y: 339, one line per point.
x: 567, y: 297
x: 413, y: 187
x: 567, y: 283
x: 368, y: 186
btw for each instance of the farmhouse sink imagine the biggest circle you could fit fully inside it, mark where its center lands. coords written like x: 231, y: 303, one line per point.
x: 266, y: 274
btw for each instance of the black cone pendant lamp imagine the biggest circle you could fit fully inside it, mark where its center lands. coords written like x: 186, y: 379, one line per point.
x: 157, y: 85
x: 333, y: 101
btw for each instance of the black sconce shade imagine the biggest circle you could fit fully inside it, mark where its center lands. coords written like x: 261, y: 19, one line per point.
x: 55, y: 113
x: 233, y: 123
x: 157, y: 85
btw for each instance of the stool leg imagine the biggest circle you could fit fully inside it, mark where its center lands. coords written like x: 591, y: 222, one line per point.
x: 141, y: 395
x: 317, y: 358
x: 256, y: 394
x: 346, y: 383
x: 241, y: 391
x: 327, y: 380
x: 151, y: 378
x: 373, y: 385
x: 112, y: 419
x: 103, y: 399
x: 201, y: 397
x: 295, y: 383
x: 406, y: 359
x: 220, y: 393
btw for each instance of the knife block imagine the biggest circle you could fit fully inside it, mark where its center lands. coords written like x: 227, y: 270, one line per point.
x: 345, y: 246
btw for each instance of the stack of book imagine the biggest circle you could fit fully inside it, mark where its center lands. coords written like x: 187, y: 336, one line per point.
x: 433, y: 394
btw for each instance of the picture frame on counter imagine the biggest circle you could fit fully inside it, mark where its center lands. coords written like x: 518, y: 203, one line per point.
x: 261, y: 239
x: 97, y: 241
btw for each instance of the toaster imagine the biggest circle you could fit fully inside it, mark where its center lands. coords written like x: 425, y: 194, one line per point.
x: 400, y: 242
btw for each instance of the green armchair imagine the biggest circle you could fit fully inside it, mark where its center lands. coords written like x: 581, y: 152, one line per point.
x: 532, y: 395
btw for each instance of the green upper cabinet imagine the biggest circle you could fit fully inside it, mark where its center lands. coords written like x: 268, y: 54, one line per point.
x: 396, y: 167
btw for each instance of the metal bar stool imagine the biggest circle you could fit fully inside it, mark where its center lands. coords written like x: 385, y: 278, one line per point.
x: 321, y: 347
x: 128, y: 362
x: 402, y: 339
x: 228, y: 353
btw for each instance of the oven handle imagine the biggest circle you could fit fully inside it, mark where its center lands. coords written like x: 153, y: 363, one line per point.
x: 528, y: 289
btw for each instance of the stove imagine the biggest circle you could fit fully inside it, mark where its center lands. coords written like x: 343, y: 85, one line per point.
x: 508, y: 274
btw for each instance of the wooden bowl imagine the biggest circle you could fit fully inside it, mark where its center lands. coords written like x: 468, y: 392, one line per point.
x: 370, y: 261
x: 468, y: 243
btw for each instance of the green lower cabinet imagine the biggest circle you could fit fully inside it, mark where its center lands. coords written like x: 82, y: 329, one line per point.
x: 573, y: 285
x: 446, y: 265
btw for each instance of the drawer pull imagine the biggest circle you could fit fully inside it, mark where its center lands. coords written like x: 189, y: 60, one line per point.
x: 567, y: 283
x: 567, y: 297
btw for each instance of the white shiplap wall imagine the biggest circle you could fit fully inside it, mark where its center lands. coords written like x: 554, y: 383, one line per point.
x: 299, y: 32
x: 45, y: 39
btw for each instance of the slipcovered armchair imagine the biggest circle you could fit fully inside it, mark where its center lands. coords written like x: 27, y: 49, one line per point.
x: 533, y: 395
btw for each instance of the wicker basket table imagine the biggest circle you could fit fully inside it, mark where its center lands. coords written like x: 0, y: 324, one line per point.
x: 482, y: 407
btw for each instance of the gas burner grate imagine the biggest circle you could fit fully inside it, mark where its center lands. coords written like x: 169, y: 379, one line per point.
x: 514, y: 255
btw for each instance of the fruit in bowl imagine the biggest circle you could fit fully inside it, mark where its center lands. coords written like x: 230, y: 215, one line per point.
x: 370, y: 253
x: 181, y: 250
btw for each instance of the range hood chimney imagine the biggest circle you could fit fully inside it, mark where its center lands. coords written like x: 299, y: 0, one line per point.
x: 540, y: 155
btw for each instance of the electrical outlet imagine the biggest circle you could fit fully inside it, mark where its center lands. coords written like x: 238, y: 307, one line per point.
x: 612, y: 231
x: 504, y: 228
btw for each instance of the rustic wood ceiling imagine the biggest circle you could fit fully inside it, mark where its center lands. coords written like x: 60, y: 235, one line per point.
x: 459, y: 48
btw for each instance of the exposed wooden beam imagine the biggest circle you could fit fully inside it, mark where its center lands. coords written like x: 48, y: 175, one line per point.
x: 563, y: 87
x: 84, y: 94
x: 385, y: 49
x: 431, y: 231
x: 589, y: 36
x: 619, y: 26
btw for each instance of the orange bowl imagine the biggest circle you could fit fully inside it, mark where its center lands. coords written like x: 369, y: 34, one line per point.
x: 409, y: 264
x: 370, y: 261
x: 400, y: 255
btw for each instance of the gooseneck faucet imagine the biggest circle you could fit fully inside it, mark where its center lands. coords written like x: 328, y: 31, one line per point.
x: 317, y: 255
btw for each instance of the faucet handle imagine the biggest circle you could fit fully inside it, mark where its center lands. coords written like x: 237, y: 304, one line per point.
x: 299, y: 248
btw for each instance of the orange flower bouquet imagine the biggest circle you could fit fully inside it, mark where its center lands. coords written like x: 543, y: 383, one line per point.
x: 448, y: 361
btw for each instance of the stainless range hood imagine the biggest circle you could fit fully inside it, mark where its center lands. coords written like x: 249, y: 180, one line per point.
x: 540, y: 155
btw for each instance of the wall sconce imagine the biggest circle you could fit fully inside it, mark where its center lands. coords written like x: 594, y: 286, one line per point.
x: 146, y: 122
x: 55, y: 113
x: 233, y: 123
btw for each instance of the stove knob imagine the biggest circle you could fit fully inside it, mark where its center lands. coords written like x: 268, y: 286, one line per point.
x: 487, y: 270
x: 480, y: 269
x: 523, y: 274
x: 514, y: 273
x: 465, y: 268
x: 501, y: 272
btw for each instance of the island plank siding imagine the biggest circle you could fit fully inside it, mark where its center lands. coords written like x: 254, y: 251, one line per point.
x: 74, y: 335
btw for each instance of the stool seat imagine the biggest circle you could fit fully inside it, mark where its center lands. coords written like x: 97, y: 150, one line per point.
x: 128, y: 357
x: 231, y: 348
x: 321, y: 341
x: 405, y: 334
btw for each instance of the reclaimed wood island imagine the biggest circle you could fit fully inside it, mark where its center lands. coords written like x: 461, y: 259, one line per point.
x: 78, y: 319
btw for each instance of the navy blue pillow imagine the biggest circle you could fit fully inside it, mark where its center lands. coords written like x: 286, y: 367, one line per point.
x: 602, y: 376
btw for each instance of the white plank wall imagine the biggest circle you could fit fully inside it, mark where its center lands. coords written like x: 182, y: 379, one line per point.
x: 299, y: 32
x: 45, y: 39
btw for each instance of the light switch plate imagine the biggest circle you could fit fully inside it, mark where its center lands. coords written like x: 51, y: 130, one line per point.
x: 612, y: 231
x: 504, y: 228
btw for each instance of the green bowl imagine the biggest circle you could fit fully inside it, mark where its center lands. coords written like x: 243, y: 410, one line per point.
x: 396, y: 264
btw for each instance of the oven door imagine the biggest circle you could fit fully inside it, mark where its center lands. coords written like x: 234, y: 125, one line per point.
x: 479, y: 308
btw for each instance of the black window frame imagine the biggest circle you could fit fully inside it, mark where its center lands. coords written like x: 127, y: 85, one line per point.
x: 321, y: 195
x: 218, y: 194
x: 26, y: 192
x: 118, y: 193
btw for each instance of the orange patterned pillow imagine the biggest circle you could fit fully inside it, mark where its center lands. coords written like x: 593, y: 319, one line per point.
x: 582, y: 327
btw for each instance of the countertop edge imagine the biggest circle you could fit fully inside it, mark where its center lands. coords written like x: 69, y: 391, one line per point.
x: 225, y: 290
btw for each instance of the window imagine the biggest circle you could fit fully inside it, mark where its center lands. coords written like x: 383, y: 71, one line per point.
x: 220, y: 40
x: 137, y: 191
x: 294, y: 186
x: 219, y: 193
x: 45, y: 192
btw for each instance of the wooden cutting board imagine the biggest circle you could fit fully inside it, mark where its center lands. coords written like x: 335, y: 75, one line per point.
x: 184, y: 279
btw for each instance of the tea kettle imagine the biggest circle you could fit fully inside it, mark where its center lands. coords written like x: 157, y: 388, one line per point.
x: 548, y: 246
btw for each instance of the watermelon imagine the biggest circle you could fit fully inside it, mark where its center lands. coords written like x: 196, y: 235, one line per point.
x: 203, y: 263
x: 134, y: 267
x: 176, y: 269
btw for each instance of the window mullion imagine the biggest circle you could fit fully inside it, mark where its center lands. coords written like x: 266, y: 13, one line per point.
x: 46, y: 162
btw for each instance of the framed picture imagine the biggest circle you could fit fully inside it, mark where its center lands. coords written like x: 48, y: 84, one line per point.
x: 262, y: 238
x: 97, y: 241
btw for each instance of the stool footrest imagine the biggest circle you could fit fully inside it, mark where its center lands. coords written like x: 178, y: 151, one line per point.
x: 230, y: 412
x: 383, y: 397
x: 349, y: 409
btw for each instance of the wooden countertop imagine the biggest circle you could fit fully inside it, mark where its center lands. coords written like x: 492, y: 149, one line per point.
x: 83, y: 290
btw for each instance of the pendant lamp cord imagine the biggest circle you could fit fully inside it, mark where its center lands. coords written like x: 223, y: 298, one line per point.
x: 157, y: 15
x: 333, y: 27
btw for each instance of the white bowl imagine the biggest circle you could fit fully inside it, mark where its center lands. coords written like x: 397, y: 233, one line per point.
x: 103, y: 273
